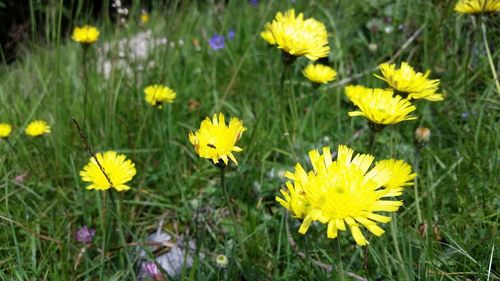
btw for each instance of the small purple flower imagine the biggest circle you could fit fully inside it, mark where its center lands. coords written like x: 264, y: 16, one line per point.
x: 465, y: 115
x: 85, y: 235
x: 254, y: 2
x: 230, y: 34
x: 216, y: 42
x: 153, y: 271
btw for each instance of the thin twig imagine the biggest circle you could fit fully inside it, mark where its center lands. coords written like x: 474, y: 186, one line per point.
x: 87, y: 147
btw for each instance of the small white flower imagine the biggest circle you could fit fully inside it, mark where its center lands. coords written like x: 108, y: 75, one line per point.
x: 221, y: 261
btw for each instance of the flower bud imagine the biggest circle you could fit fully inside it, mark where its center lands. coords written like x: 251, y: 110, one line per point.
x: 221, y: 261
x: 422, y: 136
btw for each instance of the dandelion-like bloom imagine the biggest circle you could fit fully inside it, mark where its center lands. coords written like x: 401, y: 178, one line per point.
x: 144, y: 18
x: 85, y: 35
x: 156, y: 95
x: 5, y: 130
x: 382, y: 108
x: 118, y: 171
x: 319, y: 74
x: 401, y: 175
x: 268, y: 37
x: 407, y: 80
x: 217, y: 141
x: 37, y: 128
x: 340, y: 192
x: 356, y: 92
x: 477, y: 6
x: 297, y: 36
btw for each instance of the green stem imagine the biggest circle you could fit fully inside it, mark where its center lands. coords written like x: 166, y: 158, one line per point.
x: 117, y: 206
x: 103, y: 213
x: 226, y: 194
x: 490, y: 60
x: 415, y: 185
x: 85, y: 85
x: 282, y: 80
x: 371, y: 143
x: 308, y: 260
x: 340, y: 264
x: 282, y: 106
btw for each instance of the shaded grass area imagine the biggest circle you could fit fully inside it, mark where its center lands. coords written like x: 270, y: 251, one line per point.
x: 458, y: 182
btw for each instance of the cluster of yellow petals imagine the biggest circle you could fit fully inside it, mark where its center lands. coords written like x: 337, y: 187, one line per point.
x: 297, y: 36
x: 477, y: 6
x: 37, y: 128
x: 156, y: 95
x: 345, y: 191
x: 380, y: 106
x: 217, y: 141
x: 407, y: 80
x: 357, y: 92
x: 319, y: 73
x: 85, y: 35
x: 118, y: 171
x: 144, y: 17
x: 5, y: 130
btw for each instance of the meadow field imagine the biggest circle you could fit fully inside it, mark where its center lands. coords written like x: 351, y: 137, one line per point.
x: 180, y: 207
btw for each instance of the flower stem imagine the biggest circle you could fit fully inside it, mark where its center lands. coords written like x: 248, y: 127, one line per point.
x: 226, y: 194
x: 490, y: 60
x: 339, y: 265
x: 282, y: 104
x: 117, y: 207
x: 371, y: 143
x: 415, y: 184
x: 85, y: 85
x: 102, y: 197
x: 282, y: 80
x: 307, y: 258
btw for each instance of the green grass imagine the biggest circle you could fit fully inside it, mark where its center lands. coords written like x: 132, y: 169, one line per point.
x: 458, y: 182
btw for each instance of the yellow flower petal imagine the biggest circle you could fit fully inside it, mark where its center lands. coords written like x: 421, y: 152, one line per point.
x: 344, y: 191
x: 117, y: 171
x: 217, y: 141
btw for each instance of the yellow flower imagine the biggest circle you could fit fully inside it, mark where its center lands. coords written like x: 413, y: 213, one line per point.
x: 406, y: 80
x: 340, y: 192
x: 320, y: 74
x: 37, y: 128
x: 85, y: 35
x: 144, y: 17
x: 297, y: 36
x: 477, y: 6
x: 356, y: 92
x: 5, y: 130
x: 401, y: 175
x: 382, y: 108
x: 156, y: 95
x: 268, y: 36
x: 118, y: 171
x: 215, y: 140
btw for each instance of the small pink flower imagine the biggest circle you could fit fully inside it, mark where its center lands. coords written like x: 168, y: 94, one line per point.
x: 153, y: 271
x: 85, y: 235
